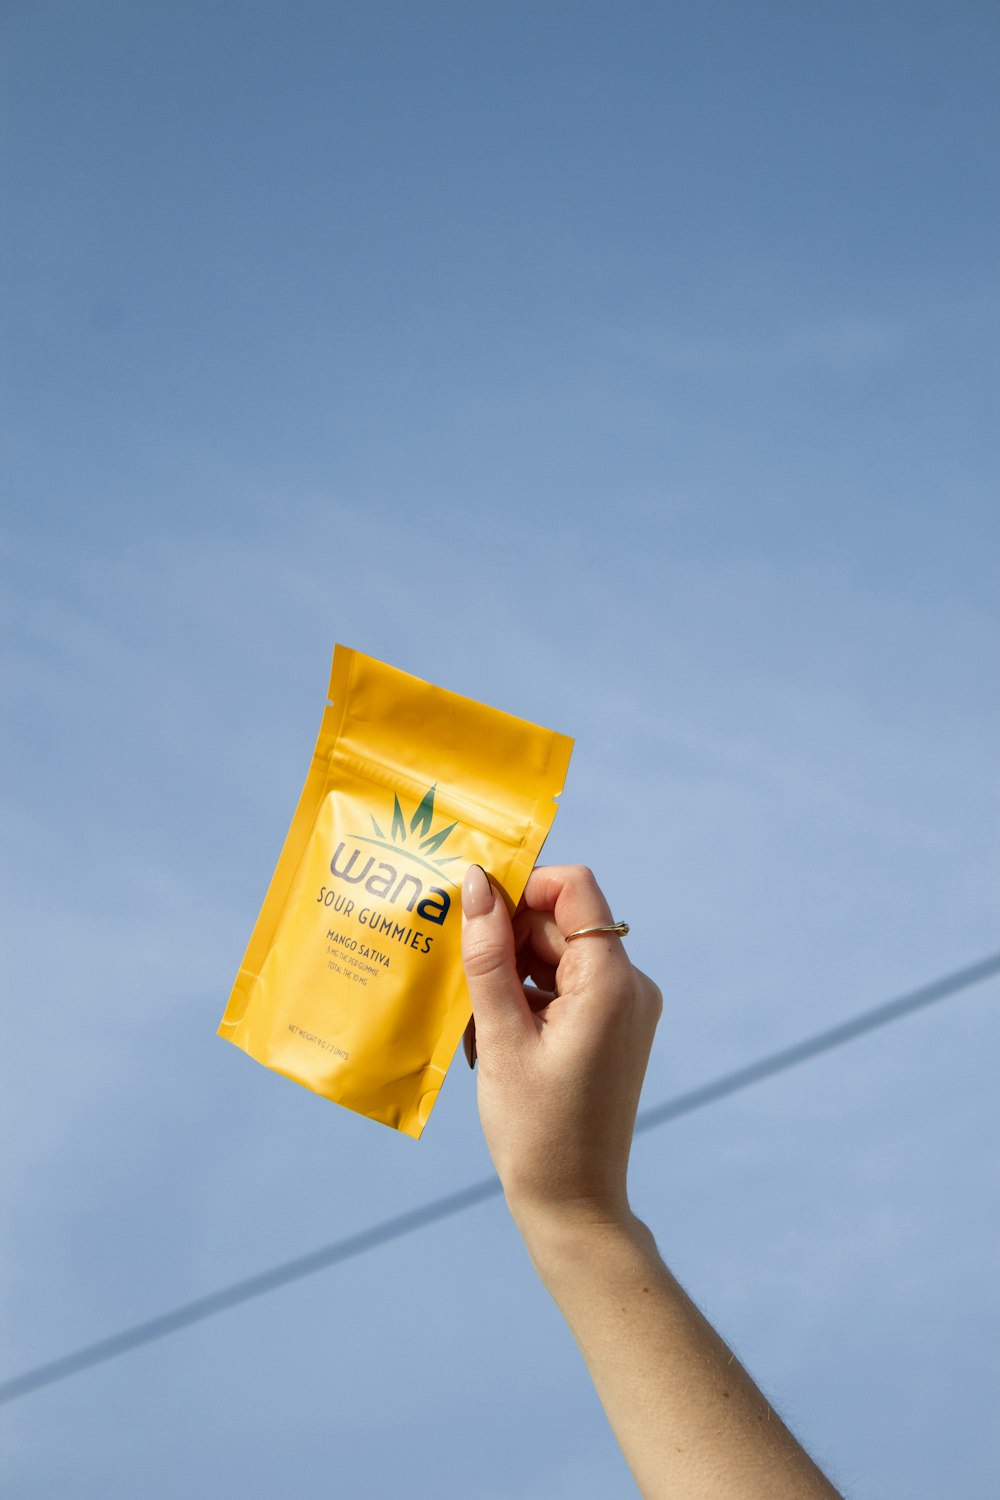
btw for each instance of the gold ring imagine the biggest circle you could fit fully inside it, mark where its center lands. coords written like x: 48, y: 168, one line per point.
x: 617, y: 929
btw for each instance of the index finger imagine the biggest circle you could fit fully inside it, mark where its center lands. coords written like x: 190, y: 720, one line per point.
x: 571, y: 894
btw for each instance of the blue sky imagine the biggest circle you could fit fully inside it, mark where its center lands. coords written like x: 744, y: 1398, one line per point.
x: 633, y: 369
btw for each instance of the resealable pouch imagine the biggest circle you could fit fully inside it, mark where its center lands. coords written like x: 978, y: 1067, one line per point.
x: 352, y: 983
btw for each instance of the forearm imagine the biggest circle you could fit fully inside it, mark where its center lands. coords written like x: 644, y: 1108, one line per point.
x: 689, y: 1419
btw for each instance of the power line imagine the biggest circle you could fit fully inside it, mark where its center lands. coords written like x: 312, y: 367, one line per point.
x: 243, y: 1291
x: 479, y: 1192
x: 822, y: 1041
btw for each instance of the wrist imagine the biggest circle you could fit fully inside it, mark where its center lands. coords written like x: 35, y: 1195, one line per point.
x: 564, y: 1240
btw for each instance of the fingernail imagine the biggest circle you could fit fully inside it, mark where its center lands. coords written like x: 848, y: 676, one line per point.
x: 478, y: 895
x: 469, y: 1043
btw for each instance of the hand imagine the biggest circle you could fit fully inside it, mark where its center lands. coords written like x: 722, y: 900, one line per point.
x: 561, y: 1059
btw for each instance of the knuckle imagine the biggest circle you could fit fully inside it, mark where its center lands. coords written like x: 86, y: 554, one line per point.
x: 584, y: 879
x: 648, y: 993
x: 483, y: 957
x: 654, y: 996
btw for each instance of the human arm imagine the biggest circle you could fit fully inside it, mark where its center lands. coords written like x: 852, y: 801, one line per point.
x: 561, y: 1064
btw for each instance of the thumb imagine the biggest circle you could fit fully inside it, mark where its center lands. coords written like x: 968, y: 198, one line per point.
x: 498, y: 1002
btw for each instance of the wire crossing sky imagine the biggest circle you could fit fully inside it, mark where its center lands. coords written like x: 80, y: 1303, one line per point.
x: 480, y: 1192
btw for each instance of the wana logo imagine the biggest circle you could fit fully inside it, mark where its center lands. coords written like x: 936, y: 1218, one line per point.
x: 411, y: 842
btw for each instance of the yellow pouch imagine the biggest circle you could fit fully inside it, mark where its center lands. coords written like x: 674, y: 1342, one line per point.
x: 352, y: 983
